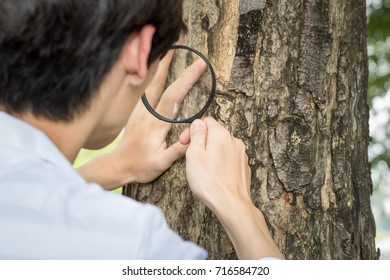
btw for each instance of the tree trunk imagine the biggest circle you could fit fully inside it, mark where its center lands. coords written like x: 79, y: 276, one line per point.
x: 292, y: 83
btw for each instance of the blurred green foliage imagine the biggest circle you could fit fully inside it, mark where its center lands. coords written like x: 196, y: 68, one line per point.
x: 378, y: 31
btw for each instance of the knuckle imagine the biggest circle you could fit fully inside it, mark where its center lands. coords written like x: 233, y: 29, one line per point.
x: 223, y: 135
x: 210, y: 121
x: 241, y: 144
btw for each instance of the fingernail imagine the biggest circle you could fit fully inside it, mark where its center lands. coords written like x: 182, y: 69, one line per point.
x: 197, y: 123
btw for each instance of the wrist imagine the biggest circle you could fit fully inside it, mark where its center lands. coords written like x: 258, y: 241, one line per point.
x: 106, y: 171
x: 118, y: 174
x: 230, y: 207
x: 248, y: 231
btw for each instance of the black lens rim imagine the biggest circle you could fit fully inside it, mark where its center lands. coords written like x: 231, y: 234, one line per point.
x: 209, y: 100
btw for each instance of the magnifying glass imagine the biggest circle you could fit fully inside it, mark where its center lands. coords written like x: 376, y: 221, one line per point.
x: 184, y: 108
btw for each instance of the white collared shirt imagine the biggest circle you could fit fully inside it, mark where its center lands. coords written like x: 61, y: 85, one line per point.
x: 48, y: 211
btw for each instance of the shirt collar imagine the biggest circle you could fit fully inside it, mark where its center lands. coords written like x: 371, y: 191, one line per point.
x: 21, y: 136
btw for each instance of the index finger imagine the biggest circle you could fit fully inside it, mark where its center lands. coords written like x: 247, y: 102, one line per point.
x: 178, y: 90
x: 156, y: 86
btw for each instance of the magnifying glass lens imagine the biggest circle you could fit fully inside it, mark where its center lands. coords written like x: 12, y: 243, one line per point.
x: 189, y: 87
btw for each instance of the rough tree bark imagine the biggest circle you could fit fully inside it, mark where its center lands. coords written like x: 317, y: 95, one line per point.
x: 292, y: 83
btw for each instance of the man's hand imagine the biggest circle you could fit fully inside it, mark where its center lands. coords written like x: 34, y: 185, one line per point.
x: 218, y: 174
x: 143, y: 154
x: 217, y: 165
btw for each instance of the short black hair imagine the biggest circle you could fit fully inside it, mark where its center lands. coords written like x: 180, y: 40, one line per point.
x: 55, y: 53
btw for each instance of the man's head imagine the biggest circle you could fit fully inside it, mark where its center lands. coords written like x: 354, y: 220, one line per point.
x: 54, y: 54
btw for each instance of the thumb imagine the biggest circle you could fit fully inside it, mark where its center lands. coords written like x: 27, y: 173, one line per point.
x: 198, y: 133
x: 185, y: 137
x: 174, y: 152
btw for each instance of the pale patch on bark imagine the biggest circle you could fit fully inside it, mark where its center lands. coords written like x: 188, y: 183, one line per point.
x: 251, y: 5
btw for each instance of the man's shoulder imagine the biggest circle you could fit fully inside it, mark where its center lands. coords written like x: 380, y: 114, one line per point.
x: 56, y: 214
x: 50, y: 212
x: 52, y: 186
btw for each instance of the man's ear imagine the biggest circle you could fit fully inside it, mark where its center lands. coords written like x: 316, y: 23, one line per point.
x: 136, y: 54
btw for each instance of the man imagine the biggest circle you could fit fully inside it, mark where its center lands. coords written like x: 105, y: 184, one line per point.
x: 71, y: 73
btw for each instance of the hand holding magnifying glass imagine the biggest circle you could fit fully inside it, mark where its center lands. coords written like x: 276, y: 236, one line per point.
x: 180, y: 92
